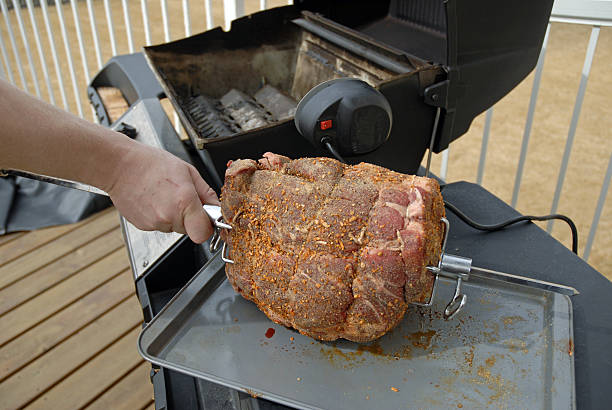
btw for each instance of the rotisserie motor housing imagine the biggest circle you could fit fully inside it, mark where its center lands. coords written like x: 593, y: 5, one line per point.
x: 354, y: 116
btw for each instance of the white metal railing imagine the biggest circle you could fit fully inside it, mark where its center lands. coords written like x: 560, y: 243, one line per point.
x: 529, y: 122
x: 9, y: 27
x: 588, y: 60
x: 104, y: 38
x: 41, y: 56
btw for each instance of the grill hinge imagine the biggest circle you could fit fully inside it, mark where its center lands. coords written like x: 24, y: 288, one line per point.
x: 437, y: 94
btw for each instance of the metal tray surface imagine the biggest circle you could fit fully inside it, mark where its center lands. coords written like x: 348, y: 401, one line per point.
x: 510, y: 347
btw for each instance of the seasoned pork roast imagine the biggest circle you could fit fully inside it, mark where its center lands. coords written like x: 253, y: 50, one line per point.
x: 332, y: 250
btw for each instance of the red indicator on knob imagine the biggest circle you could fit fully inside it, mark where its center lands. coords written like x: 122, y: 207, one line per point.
x: 325, y: 125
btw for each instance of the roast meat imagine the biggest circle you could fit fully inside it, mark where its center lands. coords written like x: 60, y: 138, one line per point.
x: 332, y: 250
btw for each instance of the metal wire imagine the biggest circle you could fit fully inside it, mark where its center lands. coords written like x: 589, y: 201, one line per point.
x: 432, y: 140
x: 332, y: 150
x: 502, y: 225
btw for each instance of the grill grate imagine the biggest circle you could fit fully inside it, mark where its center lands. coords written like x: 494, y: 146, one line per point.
x: 236, y: 111
x: 209, y: 120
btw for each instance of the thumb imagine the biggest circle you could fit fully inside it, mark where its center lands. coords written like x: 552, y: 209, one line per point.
x: 196, y: 222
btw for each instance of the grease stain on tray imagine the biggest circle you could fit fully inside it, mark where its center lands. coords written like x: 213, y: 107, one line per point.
x: 515, y: 345
x: 373, y: 348
x: 421, y: 339
x: 349, y: 358
x: 469, y: 357
x: 510, y: 320
x: 340, y: 358
x: 501, y: 388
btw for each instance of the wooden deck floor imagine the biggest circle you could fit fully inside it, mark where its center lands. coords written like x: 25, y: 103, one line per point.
x: 69, y: 319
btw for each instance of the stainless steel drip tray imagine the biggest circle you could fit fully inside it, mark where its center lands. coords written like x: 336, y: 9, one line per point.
x: 510, y: 347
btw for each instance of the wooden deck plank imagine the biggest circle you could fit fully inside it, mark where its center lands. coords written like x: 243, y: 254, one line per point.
x: 93, y: 378
x: 129, y: 393
x: 44, y: 372
x: 70, y: 264
x: 48, y: 334
x: 10, y: 237
x: 28, y: 263
x: 28, y: 241
x: 70, y: 319
x: 32, y: 312
x: 114, y: 102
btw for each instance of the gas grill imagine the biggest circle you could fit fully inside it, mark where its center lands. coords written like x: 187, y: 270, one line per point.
x: 235, y: 91
x: 438, y: 63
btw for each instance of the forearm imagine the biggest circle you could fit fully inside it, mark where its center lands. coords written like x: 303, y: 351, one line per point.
x: 43, y: 139
x: 152, y: 188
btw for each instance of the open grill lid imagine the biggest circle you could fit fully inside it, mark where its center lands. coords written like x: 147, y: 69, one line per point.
x: 458, y: 56
x: 486, y: 47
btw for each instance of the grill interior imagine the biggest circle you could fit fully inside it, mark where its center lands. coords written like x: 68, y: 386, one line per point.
x: 236, y: 92
x: 226, y: 89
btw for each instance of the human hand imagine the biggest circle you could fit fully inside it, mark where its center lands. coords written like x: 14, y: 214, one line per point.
x: 155, y: 190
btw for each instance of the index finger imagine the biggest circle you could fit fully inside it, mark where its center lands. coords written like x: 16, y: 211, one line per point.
x: 206, y: 194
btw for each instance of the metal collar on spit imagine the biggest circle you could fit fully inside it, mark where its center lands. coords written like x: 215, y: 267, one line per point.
x: 460, y: 269
x: 453, y: 267
x: 214, y: 213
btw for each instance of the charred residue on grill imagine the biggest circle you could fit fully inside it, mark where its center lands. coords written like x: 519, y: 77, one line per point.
x: 236, y: 111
